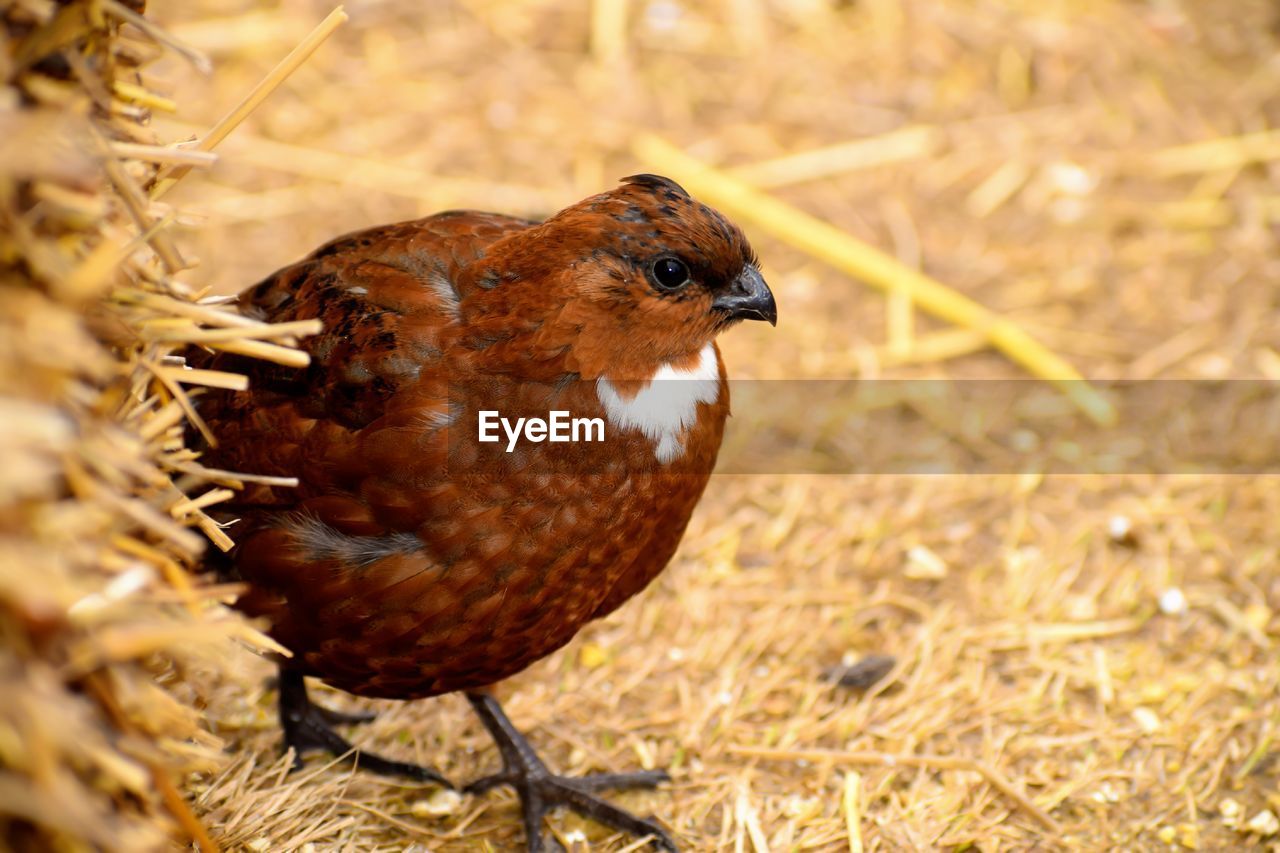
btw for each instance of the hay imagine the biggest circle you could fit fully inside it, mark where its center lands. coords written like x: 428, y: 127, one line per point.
x: 1100, y: 172
x: 101, y: 626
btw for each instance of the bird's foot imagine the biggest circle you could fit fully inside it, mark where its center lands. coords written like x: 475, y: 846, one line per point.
x: 307, y: 728
x: 541, y: 791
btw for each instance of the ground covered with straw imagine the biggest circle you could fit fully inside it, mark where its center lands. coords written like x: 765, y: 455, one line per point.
x: 1077, y: 662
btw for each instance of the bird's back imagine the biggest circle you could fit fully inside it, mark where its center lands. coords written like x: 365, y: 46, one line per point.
x: 385, y: 296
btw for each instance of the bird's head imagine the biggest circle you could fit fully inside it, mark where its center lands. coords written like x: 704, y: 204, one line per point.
x: 632, y: 279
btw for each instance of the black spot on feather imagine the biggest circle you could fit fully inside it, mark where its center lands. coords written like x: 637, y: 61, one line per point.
x: 633, y: 214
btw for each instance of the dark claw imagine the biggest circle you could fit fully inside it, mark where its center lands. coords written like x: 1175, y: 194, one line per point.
x: 640, y: 780
x: 541, y: 791
x: 307, y: 729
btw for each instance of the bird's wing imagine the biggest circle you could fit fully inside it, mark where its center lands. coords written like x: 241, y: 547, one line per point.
x: 385, y: 296
x: 338, y: 565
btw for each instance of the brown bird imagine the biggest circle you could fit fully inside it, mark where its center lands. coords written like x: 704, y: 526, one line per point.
x: 416, y: 559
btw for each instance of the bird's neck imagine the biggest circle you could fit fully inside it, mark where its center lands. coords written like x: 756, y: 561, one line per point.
x: 699, y: 366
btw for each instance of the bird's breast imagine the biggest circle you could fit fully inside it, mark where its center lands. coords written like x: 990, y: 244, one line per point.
x: 666, y: 408
x: 491, y: 556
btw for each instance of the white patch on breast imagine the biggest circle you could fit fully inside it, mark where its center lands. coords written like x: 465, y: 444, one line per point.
x: 668, y: 406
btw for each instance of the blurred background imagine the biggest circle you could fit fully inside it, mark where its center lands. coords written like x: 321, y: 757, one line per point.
x: 1103, y: 173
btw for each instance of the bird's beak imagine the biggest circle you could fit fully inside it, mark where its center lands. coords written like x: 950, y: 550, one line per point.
x: 748, y: 298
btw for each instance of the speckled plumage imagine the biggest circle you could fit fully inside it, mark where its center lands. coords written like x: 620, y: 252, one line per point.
x: 413, y: 560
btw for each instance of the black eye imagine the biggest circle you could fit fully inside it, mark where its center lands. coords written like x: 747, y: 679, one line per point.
x: 670, y: 273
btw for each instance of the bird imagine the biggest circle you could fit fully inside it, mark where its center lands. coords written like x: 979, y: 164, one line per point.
x: 413, y: 559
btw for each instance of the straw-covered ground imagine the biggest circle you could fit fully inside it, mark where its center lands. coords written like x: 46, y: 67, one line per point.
x: 1079, y: 662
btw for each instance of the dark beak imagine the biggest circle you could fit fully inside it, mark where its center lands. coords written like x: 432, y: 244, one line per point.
x: 748, y: 298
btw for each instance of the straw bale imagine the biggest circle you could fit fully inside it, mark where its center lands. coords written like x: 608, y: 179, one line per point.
x: 97, y: 496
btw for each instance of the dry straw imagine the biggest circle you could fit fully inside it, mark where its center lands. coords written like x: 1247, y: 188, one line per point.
x: 98, y: 493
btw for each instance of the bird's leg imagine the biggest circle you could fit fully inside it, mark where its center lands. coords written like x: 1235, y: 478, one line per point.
x: 329, y: 715
x: 307, y: 728
x: 541, y: 790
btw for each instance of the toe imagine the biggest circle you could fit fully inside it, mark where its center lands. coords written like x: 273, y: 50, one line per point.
x: 488, y: 783
x: 643, y: 780
x: 416, y: 772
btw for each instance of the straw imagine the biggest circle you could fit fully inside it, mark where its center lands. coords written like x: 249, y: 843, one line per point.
x: 229, y: 122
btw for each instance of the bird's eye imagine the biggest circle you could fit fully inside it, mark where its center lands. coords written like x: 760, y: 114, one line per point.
x: 670, y: 273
